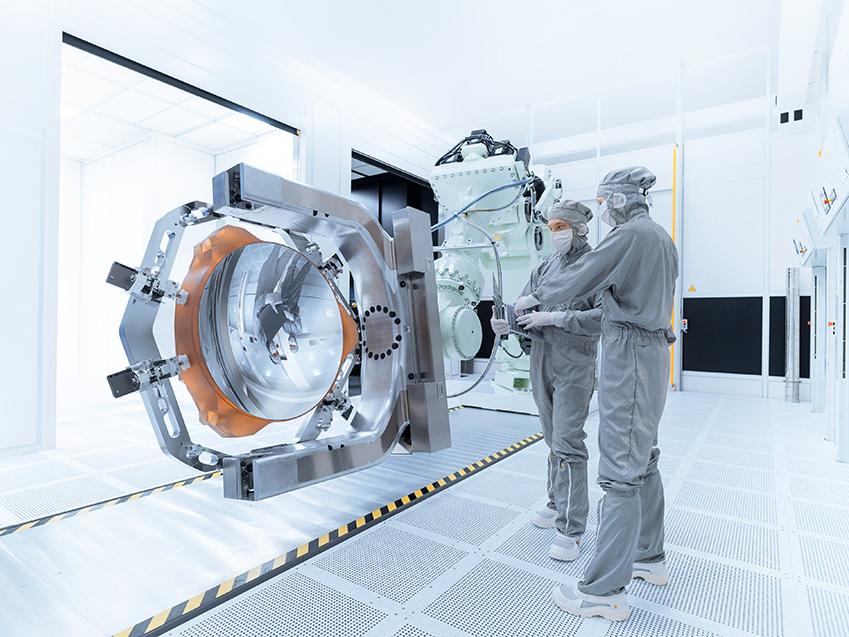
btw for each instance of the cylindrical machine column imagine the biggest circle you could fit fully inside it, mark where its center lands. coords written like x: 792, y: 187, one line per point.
x: 818, y: 331
x: 791, y: 337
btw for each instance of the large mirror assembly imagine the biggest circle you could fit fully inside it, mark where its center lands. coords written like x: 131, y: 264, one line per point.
x: 267, y: 333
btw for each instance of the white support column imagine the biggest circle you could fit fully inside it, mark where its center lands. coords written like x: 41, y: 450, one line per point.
x: 766, y: 235
x: 678, y: 230
x: 841, y: 422
x: 831, y: 339
x: 818, y: 348
x: 29, y: 177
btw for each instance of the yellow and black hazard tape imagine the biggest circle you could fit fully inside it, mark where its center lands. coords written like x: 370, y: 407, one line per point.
x: 64, y: 515
x: 169, y: 618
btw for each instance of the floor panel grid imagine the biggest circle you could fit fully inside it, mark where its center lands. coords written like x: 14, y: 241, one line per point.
x: 825, y: 560
x: 741, y: 489
x: 728, y: 595
x: 390, y: 562
x: 823, y: 491
x: 459, y: 518
x: 734, y: 540
x: 829, y: 612
x: 733, y: 476
x: 293, y: 605
x: 743, y: 505
x: 496, y: 599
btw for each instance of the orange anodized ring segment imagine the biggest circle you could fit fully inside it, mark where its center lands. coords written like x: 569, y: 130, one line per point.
x: 214, y: 407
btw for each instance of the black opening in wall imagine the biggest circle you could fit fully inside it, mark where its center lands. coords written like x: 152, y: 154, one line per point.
x: 724, y: 335
x: 383, y: 189
x: 777, y: 344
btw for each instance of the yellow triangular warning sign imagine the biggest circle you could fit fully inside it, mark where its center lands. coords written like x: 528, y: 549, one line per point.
x: 692, y: 288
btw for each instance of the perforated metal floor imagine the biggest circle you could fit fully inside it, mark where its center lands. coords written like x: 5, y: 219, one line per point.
x: 757, y: 537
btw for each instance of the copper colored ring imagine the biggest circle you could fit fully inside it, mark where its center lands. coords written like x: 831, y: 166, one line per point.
x: 214, y: 407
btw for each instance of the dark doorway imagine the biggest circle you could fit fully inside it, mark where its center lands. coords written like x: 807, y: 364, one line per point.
x: 383, y: 189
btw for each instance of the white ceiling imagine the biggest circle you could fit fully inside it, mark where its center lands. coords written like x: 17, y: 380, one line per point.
x: 458, y: 65
x: 361, y: 169
x: 105, y: 106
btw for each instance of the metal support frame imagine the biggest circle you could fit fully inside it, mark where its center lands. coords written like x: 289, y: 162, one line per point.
x: 395, y: 290
x: 791, y: 337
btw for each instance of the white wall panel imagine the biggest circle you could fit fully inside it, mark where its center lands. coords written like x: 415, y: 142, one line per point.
x: 579, y: 178
x: 68, y: 299
x: 723, y: 238
x: 723, y: 157
x: 123, y: 194
x: 274, y: 152
x: 29, y: 175
x: 657, y: 159
x: 792, y: 172
x: 21, y: 166
x: 328, y: 166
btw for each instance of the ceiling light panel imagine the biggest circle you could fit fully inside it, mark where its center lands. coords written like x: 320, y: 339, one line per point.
x: 71, y: 146
x: 132, y: 106
x: 174, y: 122
x: 94, y: 127
x: 205, y: 108
x: 162, y: 91
x: 247, y: 123
x: 216, y: 136
x: 109, y: 70
x: 84, y: 90
x: 71, y: 56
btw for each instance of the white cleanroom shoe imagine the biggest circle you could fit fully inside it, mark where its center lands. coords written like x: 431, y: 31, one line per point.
x: 614, y: 608
x: 564, y: 548
x: 544, y: 518
x: 652, y: 572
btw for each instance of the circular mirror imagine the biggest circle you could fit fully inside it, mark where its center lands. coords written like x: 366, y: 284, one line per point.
x: 270, y: 331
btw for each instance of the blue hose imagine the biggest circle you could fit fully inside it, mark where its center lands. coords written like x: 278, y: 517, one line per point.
x: 512, y: 184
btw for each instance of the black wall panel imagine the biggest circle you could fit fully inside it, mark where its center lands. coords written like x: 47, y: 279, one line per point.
x: 484, y: 310
x: 776, y: 336
x: 385, y: 193
x: 724, y: 335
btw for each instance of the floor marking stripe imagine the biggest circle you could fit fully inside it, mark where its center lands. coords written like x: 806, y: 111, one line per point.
x: 193, y: 603
x: 225, y: 587
x: 97, y: 506
x: 201, y: 603
x: 157, y: 620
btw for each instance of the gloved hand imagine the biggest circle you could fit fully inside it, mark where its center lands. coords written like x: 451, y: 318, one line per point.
x: 535, y: 320
x: 499, y: 325
x: 524, y: 302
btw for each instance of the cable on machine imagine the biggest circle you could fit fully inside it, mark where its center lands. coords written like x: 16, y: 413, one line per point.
x: 498, y: 280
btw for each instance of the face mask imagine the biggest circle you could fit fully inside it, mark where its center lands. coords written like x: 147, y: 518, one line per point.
x: 562, y: 240
x: 604, y: 211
